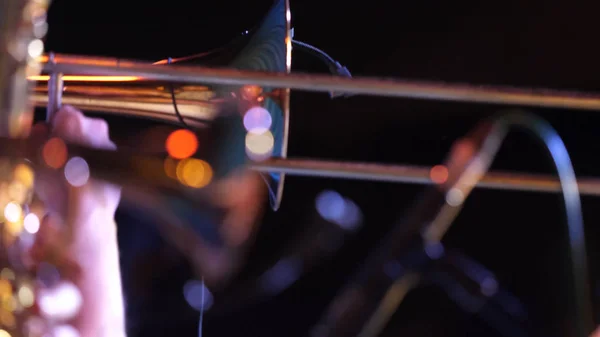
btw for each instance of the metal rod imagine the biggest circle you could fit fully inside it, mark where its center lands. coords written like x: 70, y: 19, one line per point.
x: 195, y: 114
x: 55, y: 88
x: 72, y: 64
x: 417, y: 175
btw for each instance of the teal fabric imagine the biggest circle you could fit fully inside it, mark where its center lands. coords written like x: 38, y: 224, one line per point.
x: 266, y: 51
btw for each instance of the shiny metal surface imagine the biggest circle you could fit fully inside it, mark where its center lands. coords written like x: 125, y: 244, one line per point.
x: 137, y: 89
x: 22, y: 26
x: 21, y: 45
x: 71, y: 64
x: 412, y: 174
x: 123, y: 98
x: 142, y: 100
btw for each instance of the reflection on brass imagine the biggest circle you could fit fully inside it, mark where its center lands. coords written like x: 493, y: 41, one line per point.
x: 143, y: 98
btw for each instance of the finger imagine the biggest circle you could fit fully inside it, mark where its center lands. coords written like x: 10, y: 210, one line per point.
x: 72, y: 125
x: 68, y: 123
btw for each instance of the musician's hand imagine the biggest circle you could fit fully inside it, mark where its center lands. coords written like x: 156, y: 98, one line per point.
x: 87, y: 213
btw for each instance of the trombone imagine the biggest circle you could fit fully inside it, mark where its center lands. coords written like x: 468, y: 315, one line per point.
x: 171, y: 93
x: 155, y: 104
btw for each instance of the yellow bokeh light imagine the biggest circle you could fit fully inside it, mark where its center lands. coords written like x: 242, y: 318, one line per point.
x: 18, y: 192
x: 5, y: 289
x: 24, y: 174
x: 9, y: 304
x: 194, y: 172
x: 7, y: 274
x: 12, y: 212
x: 4, y: 333
x: 260, y: 144
x: 8, y: 320
x: 171, y: 167
x: 13, y: 229
x: 26, y: 296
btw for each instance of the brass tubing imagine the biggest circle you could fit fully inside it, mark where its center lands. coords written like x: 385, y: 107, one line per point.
x: 418, y: 175
x: 143, y: 107
x: 72, y: 64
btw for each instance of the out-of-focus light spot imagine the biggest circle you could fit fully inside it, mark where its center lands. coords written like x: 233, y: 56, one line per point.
x: 35, y: 48
x: 65, y: 331
x: 17, y: 192
x: 4, y: 333
x: 439, y: 174
x: 60, y: 303
x: 171, y: 167
x: 259, y: 146
x: 251, y: 92
x: 281, y: 275
x: 352, y: 218
x: 330, y: 205
x: 24, y: 174
x: 197, y: 295
x: 55, y: 153
x: 10, y: 303
x: 77, y: 171
x: 257, y: 120
x: 14, y: 229
x: 194, y: 172
x: 7, y: 319
x: 15, y: 305
x: 339, y: 210
x: 5, y: 288
x: 489, y: 286
x: 25, y: 295
x: 455, y: 197
x: 12, y: 212
x: 182, y: 144
x: 31, y: 223
x: 7, y: 274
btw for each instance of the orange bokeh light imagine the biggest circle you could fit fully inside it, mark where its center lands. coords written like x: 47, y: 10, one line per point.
x: 182, y: 144
x: 55, y: 153
x: 439, y: 174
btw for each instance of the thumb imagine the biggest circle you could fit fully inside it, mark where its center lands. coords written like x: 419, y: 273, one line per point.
x: 74, y: 127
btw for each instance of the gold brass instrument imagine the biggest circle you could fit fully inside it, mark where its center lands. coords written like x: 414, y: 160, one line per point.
x: 154, y: 103
x: 169, y: 92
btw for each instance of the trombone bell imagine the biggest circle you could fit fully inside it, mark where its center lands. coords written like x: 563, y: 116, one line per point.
x: 267, y: 49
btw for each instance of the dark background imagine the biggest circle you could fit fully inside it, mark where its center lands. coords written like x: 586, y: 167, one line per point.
x: 525, y: 43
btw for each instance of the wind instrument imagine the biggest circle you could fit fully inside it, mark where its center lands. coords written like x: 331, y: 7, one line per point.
x: 250, y: 75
